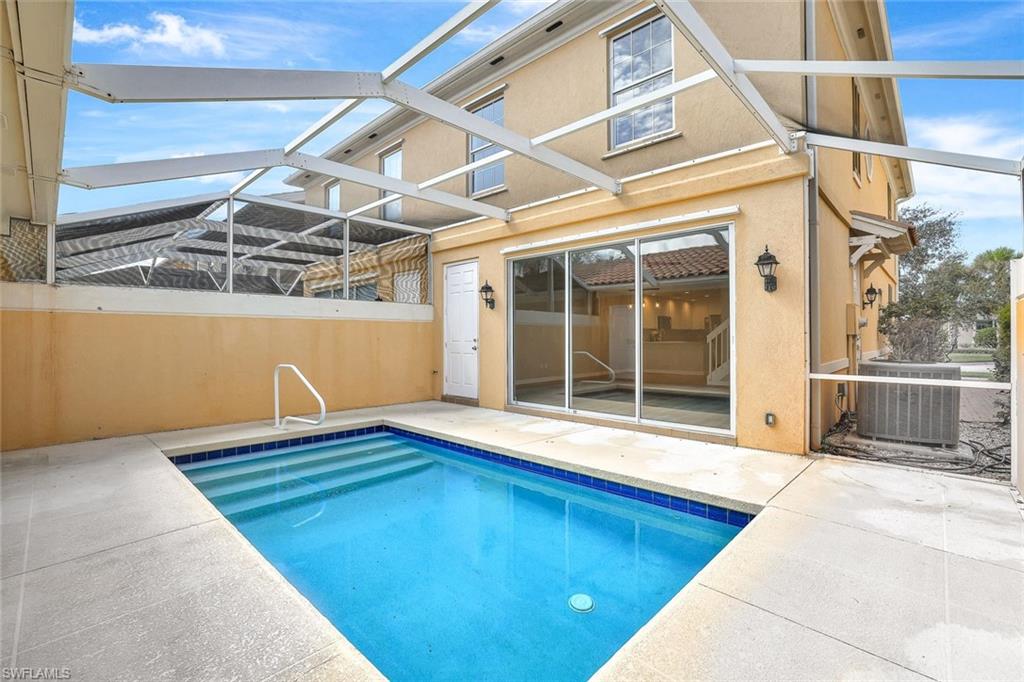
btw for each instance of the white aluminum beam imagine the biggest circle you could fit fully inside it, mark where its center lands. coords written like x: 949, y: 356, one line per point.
x: 136, y: 172
x: 130, y: 83
x: 359, y: 176
x: 274, y: 247
x: 118, y: 83
x: 290, y: 205
x: 70, y: 218
x: 633, y: 104
x: 135, y: 250
x: 328, y: 213
x: 456, y: 116
x: 617, y: 110
x: 249, y: 251
x: 911, y: 381
x: 268, y: 233
x: 953, y: 159
x: 1007, y: 69
x: 437, y: 37
x: 118, y: 174
x: 688, y: 21
x: 390, y: 224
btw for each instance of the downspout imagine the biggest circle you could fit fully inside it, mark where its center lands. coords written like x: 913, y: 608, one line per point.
x: 813, y: 350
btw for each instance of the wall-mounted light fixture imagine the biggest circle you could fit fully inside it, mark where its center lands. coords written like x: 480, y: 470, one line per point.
x: 870, y: 296
x: 487, y: 293
x: 766, y: 264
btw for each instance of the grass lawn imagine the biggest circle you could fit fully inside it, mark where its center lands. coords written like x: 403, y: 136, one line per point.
x: 970, y: 357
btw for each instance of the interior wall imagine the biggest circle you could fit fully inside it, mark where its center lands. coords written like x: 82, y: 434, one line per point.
x: 72, y: 376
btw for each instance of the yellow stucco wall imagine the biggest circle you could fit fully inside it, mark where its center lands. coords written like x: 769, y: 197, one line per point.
x: 840, y: 192
x: 538, y: 99
x: 769, y: 189
x: 70, y: 376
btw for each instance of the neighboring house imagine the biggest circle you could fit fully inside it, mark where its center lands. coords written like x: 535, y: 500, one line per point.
x: 964, y: 336
x: 702, y: 350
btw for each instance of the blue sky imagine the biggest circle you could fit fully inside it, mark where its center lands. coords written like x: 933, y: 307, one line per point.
x: 983, y: 117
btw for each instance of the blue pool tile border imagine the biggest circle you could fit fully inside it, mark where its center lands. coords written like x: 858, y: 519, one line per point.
x: 731, y: 517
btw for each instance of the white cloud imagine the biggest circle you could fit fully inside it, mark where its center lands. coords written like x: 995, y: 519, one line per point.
x: 481, y: 35
x: 504, y: 18
x: 983, y: 26
x: 976, y: 195
x: 167, y: 31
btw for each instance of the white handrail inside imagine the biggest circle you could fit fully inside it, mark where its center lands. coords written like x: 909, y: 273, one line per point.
x: 611, y: 372
x: 278, y: 422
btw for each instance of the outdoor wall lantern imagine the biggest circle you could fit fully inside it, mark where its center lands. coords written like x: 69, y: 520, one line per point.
x: 487, y: 293
x: 766, y: 264
x: 870, y: 296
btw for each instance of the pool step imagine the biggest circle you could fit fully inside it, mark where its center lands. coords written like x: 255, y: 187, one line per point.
x: 271, y: 501
x: 198, y: 471
x: 286, y: 476
x: 296, y: 460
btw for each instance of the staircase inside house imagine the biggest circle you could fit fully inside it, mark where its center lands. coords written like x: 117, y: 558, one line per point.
x: 718, y: 354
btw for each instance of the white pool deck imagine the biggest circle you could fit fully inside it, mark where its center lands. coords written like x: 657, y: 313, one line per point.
x: 114, y: 567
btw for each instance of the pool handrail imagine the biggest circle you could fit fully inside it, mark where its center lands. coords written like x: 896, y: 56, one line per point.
x: 278, y: 422
x: 611, y: 372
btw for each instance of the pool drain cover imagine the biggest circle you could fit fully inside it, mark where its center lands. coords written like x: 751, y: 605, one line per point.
x: 581, y: 603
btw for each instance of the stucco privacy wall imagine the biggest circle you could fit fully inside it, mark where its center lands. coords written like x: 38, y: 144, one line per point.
x: 770, y: 328
x: 71, y: 375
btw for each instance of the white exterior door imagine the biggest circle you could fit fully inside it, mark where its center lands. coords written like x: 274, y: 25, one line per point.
x: 461, y: 330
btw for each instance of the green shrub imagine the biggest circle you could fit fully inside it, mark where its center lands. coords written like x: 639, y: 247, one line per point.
x: 985, y: 338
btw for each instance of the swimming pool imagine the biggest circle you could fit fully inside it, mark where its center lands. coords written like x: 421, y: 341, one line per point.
x: 442, y: 562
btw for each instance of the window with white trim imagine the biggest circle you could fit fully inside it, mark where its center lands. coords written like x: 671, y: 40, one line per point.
x: 641, y: 62
x: 869, y: 159
x: 332, y: 196
x: 493, y: 175
x: 391, y: 166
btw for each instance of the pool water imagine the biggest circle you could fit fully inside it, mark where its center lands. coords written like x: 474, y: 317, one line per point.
x: 441, y: 566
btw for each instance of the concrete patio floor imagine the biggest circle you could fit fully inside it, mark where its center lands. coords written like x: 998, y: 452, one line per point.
x: 115, y: 567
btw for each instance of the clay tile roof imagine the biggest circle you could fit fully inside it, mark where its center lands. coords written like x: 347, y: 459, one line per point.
x: 699, y: 261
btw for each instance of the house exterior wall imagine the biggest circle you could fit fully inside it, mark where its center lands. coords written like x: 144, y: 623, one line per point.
x: 843, y: 345
x: 572, y: 82
x: 769, y: 189
x: 14, y: 185
x: 71, y: 375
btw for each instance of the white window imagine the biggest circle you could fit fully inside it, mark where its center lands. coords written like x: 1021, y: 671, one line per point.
x: 332, y: 196
x: 869, y: 160
x: 641, y: 62
x: 391, y: 166
x: 493, y: 175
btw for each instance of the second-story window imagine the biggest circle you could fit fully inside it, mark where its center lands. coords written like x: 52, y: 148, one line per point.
x: 856, y: 128
x: 641, y: 62
x: 391, y: 166
x: 492, y: 175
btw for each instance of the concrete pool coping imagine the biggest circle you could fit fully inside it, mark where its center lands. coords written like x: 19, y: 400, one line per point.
x: 848, y: 568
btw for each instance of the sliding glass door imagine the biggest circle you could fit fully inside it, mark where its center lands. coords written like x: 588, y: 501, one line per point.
x: 538, y: 330
x: 603, y: 337
x: 660, y: 352
x: 686, y: 354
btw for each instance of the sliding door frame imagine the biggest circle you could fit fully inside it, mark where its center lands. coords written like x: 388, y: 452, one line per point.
x: 637, y: 418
